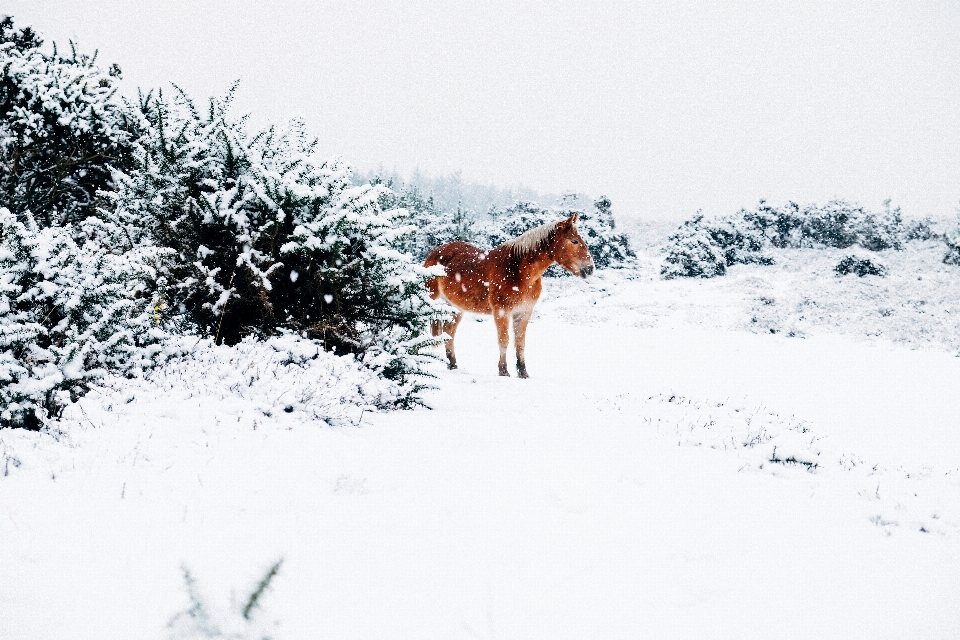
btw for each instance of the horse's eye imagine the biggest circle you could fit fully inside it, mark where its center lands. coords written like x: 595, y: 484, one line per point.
x: 575, y: 242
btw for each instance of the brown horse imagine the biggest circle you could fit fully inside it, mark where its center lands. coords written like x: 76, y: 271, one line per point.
x: 505, y: 282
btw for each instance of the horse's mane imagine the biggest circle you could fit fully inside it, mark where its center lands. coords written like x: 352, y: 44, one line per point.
x: 532, y: 240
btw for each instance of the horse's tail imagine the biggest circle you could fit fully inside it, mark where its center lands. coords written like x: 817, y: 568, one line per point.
x: 433, y: 284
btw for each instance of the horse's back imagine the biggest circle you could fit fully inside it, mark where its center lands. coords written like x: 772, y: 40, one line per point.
x: 465, y: 284
x: 454, y: 252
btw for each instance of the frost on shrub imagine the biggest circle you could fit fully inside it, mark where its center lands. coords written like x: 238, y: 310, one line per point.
x: 692, y: 253
x: 61, y: 129
x: 859, y: 266
x: 69, y: 313
x: 267, y: 236
x: 952, y: 240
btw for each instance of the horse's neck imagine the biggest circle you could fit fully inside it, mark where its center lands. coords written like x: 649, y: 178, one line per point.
x: 533, y: 265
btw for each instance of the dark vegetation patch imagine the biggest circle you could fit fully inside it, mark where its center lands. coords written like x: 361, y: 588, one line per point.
x: 859, y: 266
x: 705, y: 247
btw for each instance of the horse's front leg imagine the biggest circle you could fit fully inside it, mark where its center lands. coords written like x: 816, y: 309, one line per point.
x: 502, y: 321
x: 521, y: 318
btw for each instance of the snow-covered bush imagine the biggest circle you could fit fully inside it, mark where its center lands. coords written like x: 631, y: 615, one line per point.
x: 860, y: 266
x: 61, y: 129
x: 692, y: 253
x: 696, y: 249
x: 126, y: 222
x: 704, y: 248
x: 504, y: 224
x: 265, y: 235
x: 952, y: 239
x: 69, y: 313
x: 598, y: 228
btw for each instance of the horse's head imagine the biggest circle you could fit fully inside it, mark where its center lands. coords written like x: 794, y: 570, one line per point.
x: 569, y: 249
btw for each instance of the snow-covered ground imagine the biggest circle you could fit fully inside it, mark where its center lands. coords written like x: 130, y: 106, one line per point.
x: 772, y: 454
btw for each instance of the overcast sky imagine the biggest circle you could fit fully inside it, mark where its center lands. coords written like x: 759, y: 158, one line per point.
x: 666, y: 107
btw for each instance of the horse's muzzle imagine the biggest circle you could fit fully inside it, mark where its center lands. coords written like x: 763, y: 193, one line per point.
x: 586, y: 270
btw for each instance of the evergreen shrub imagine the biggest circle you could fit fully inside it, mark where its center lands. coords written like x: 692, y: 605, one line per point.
x: 69, y: 312
x: 266, y: 235
x: 705, y: 247
x: 859, y: 266
x: 122, y: 223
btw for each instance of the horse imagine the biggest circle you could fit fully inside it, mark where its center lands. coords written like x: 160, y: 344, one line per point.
x: 504, y: 282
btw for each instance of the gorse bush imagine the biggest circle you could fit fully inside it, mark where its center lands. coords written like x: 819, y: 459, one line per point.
x: 69, y: 312
x: 72, y: 306
x: 952, y: 239
x: 705, y: 247
x: 62, y: 131
x: 266, y: 235
x: 123, y: 223
x: 859, y: 266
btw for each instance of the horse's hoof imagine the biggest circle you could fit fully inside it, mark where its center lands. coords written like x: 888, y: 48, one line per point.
x: 522, y: 374
x: 451, y: 365
x: 504, y: 372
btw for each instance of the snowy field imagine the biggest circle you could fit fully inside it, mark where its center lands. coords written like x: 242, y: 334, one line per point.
x: 771, y: 454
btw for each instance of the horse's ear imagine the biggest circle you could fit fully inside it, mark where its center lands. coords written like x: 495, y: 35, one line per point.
x: 573, y: 218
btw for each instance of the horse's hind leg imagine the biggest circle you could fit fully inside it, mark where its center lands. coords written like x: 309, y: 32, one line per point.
x: 450, y: 328
x: 520, y: 320
x: 503, y: 337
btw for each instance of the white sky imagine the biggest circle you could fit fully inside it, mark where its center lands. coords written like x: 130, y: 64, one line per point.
x: 666, y: 107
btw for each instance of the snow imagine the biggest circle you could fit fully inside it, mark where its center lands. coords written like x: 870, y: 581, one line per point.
x: 672, y: 469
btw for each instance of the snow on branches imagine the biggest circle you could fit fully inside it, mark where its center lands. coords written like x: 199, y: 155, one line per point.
x: 69, y: 313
